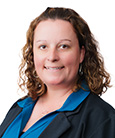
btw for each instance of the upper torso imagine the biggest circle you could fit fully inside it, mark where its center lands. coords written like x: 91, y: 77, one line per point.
x: 91, y: 119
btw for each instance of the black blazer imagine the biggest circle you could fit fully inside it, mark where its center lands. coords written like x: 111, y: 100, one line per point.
x: 94, y: 118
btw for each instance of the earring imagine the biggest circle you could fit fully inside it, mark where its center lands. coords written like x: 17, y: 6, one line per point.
x: 35, y: 75
x: 80, y: 70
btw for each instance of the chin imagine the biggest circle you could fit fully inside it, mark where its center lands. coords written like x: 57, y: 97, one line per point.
x: 54, y: 82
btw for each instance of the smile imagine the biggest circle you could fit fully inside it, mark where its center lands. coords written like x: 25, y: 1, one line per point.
x: 54, y: 68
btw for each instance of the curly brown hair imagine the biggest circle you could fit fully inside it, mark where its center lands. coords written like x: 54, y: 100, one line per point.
x: 93, y: 69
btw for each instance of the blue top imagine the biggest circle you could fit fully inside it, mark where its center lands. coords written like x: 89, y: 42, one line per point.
x: 17, y: 126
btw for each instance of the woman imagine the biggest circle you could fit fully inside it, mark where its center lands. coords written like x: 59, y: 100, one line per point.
x: 64, y: 74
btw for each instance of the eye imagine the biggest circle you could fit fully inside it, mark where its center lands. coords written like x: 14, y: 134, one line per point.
x: 64, y: 46
x: 42, y: 47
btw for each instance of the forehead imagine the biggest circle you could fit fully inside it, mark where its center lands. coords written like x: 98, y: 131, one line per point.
x: 55, y: 28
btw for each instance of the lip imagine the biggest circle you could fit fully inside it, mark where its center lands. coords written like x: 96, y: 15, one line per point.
x: 56, y: 68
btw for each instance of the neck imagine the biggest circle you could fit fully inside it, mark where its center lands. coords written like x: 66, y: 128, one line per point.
x: 57, y: 94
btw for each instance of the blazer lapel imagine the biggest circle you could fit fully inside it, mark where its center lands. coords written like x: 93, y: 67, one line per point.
x: 59, y: 125
x: 12, y: 114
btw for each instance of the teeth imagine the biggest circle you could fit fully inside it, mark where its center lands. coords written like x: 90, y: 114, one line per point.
x: 55, y: 68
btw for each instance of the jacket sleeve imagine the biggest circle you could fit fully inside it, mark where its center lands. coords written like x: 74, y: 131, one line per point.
x: 105, y: 129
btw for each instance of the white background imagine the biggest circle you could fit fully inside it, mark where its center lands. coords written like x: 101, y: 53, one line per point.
x: 15, y: 17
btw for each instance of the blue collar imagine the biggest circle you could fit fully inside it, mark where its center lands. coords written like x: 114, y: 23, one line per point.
x: 74, y: 100
x: 26, y: 102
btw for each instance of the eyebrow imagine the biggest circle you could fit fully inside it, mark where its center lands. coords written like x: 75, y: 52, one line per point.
x: 40, y: 40
x: 65, y: 40
x: 59, y: 41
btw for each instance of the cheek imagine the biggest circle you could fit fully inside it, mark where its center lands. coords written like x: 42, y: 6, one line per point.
x: 72, y: 61
x: 38, y: 62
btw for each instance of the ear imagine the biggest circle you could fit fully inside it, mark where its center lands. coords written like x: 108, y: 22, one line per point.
x: 82, y: 54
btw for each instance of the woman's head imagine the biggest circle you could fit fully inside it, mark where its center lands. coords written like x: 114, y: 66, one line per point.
x: 57, y: 54
x: 91, y: 68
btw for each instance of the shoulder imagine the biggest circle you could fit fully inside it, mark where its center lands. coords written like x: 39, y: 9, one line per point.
x: 95, y: 118
x: 99, y: 116
x: 95, y: 110
x: 13, y: 110
x: 94, y: 103
x: 95, y: 107
x: 11, y: 115
x: 16, y: 108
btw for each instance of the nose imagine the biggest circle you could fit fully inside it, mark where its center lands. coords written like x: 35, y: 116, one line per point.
x: 53, y: 55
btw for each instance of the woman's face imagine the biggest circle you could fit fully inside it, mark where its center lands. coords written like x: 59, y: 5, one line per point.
x: 56, y: 52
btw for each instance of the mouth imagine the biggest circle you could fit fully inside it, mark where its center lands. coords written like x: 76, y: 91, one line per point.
x: 53, y: 68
